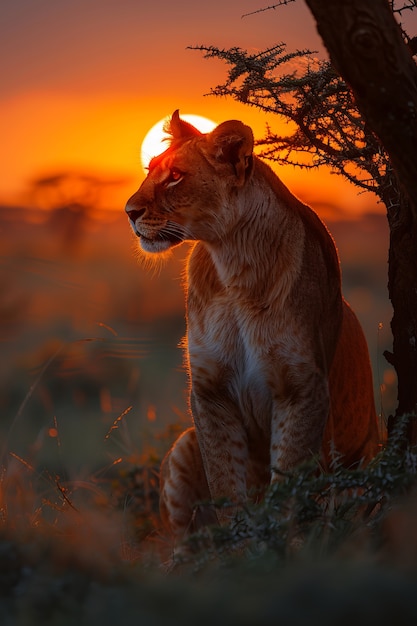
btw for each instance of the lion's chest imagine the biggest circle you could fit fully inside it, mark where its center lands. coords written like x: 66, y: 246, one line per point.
x: 228, y: 351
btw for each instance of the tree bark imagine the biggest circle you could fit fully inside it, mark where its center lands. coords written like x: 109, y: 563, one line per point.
x: 402, y: 287
x: 366, y: 47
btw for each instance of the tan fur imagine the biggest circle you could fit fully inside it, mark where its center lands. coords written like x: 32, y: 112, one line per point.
x: 278, y: 363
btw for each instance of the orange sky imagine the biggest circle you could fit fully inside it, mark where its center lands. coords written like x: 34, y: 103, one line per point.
x: 81, y: 83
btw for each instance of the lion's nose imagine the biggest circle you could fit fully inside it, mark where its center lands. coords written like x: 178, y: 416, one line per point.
x: 134, y: 213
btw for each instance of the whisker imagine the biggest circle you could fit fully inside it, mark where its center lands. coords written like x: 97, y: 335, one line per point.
x: 175, y: 225
x: 171, y: 228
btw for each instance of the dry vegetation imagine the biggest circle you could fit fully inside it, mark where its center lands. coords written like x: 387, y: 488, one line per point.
x: 318, y: 549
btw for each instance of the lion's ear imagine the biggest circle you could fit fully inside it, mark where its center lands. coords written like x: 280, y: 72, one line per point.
x: 232, y: 142
x: 179, y: 130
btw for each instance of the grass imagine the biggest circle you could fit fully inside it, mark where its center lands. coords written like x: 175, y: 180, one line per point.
x: 318, y: 550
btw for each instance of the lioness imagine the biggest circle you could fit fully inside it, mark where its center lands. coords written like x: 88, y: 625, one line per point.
x: 278, y: 363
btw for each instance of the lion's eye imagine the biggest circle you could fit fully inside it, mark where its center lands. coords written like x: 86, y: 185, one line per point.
x: 175, y: 176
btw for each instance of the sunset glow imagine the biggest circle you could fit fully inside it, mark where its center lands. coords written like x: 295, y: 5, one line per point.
x: 85, y: 100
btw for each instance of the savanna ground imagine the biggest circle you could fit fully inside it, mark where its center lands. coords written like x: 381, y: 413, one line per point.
x: 93, y: 393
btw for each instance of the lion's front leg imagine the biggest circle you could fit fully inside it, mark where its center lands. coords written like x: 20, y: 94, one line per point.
x: 224, y: 450
x: 300, y: 412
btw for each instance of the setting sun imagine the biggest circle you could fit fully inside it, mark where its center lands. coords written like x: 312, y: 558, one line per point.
x: 155, y: 140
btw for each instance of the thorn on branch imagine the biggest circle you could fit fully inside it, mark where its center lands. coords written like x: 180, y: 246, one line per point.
x: 412, y: 44
x: 389, y: 357
x: 272, y: 6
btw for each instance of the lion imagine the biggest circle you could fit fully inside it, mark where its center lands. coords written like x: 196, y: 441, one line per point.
x: 278, y: 363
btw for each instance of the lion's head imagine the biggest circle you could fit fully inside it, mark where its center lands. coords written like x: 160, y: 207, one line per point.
x: 187, y: 192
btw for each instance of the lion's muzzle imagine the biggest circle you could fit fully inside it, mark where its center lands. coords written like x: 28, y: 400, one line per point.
x: 134, y: 214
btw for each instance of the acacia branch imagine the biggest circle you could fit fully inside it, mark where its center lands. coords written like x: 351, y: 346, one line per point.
x: 311, y: 95
x: 281, y: 3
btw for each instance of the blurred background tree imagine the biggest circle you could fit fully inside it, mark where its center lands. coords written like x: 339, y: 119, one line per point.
x: 72, y: 199
x: 357, y: 114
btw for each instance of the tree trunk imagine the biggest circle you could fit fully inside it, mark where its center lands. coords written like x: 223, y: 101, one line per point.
x: 367, y: 49
x: 402, y: 286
